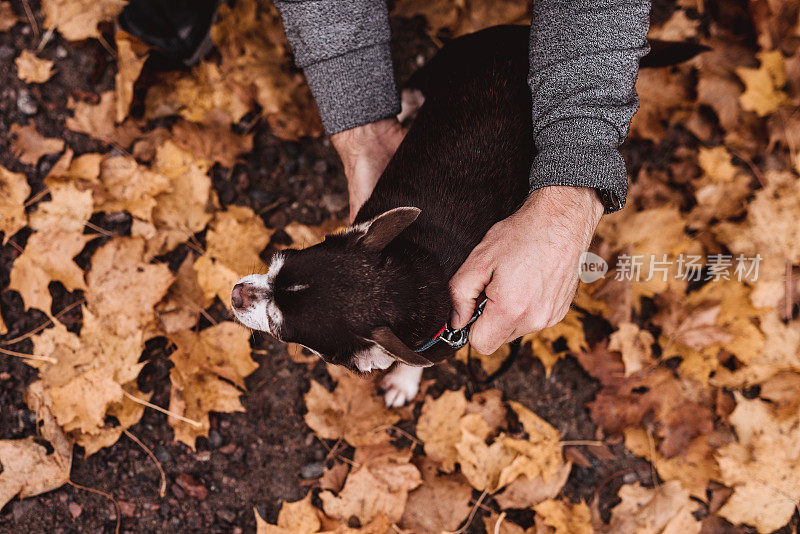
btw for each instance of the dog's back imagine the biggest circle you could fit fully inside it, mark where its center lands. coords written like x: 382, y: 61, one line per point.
x: 465, y: 161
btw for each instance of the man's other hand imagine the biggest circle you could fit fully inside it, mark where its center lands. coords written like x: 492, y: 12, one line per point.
x: 365, y: 151
x: 527, y: 265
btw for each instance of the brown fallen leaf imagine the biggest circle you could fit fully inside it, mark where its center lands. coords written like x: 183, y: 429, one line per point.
x: 47, y: 258
x: 14, y: 189
x: 82, y: 171
x: 635, y: 346
x: 234, y: 240
x: 299, y: 517
x: 211, y: 142
x: 451, y: 495
x: 7, y: 17
x: 333, y: 478
x: 490, y: 363
x: 29, y: 146
x: 763, y: 86
x: 121, y: 281
x: 378, y: 486
x: 563, y: 517
x: 27, y: 468
x: 694, y: 469
x: 32, y: 69
x: 210, y: 368
x: 666, y: 509
x: 570, y: 329
x: 306, y: 236
x: 185, y: 300
x: 681, y: 408
x: 191, y: 486
x: 125, y: 185
x: 69, y: 209
x: 439, y: 429
x: 186, y: 207
x: 95, y: 120
x: 525, y: 492
x: 77, y: 20
x: 762, y: 467
x: 353, y: 412
x: 131, y: 56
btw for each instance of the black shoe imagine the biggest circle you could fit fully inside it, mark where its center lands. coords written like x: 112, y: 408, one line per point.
x: 178, y: 29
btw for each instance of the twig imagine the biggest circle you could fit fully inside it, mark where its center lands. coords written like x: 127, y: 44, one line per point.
x: 104, y: 494
x: 107, y: 46
x: 471, y: 514
x: 99, y: 230
x: 42, y: 326
x: 757, y: 173
x: 787, y: 305
x: 31, y: 18
x: 35, y: 198
x: 27, y: 356
x: 499, y: 522
x: 162, y: 410
x: 162, y: 491
x: 45, y: 39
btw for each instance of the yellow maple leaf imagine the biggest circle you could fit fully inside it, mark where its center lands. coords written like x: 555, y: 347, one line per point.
x: 299, y: 517
x: 378, y: 486
x: 131, y: 56
x: 78, y: 19
x: 14, y: 189
x: 32, y: 69
x: 665, y: 509
x: 29, y: 145
x: 127, y: 186
x: 210, y: 368
x: 47, y: 258
x: 565, y: 517
x: 763, y: 85
x: 68, y: 210
x: 762, y: 467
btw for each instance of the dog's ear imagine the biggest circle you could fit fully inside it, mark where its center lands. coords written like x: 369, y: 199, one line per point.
x: 382, y: 229
x: 384, y: 337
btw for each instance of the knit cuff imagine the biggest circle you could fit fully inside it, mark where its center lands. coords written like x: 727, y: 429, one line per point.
x: 580, y: 152
x: 355, y: 88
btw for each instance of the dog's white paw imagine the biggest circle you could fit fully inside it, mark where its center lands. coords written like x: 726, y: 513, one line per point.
x: 401, y: 384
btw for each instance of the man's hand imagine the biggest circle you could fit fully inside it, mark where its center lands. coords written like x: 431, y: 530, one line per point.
x: 527, y: 265
x: 365, y: 151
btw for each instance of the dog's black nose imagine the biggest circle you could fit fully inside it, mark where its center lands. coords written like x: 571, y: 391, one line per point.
x: 237, y: 300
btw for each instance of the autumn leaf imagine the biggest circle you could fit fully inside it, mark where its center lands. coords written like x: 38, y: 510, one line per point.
x: 635, y: 345
x: 761, y: 467
x: 210, y: 368
x: 7, y: 19
x: 234, y: 241
x: 299, y: 517
x: 32, y: 69
x: 77, y: 20
x: 131, y: 55
x: 763, y: 93
x: 29, y: 145
x: 378, y: 486
x: 452, y: 495
x: 27, y: 467
x: 185, y: 300
x: 693, y: 470
x: 353, y: 412
x: 439, y: 429
x: 665, y: 509
x: 95, y: 120
x: 14, y: 190
x: 68, y: 209
x: 48, y: 258
x: 564, y: 517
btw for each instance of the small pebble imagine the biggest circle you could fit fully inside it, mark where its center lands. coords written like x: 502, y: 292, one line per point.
x: 215, y: 439
x: 25, y: 103
x: 162, y: 454
x: 74, y: 509
x: 312, y: 470
x: 61, y: 52
x: 261, y: 196
x: 6, y: 52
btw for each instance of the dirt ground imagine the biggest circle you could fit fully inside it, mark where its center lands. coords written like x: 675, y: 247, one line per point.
x: 267, y: 455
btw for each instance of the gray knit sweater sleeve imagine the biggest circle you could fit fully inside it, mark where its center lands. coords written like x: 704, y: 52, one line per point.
x: 343, y: 48
x: 584, y: 57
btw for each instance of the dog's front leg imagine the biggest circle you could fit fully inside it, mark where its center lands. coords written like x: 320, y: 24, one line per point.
x: 401, y: 384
